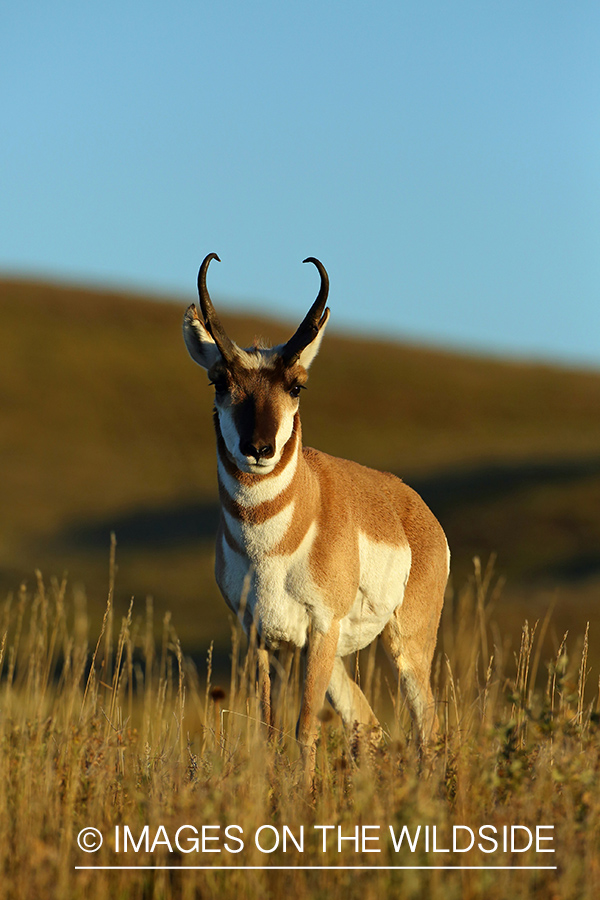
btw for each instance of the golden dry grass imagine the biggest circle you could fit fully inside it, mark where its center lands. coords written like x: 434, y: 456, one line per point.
x: 117, y: 730
x: 106, y: 722
x: 106, y: 425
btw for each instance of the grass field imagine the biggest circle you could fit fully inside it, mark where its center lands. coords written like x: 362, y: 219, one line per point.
x: 131, y: 715
x: 120, y: 733
x: 106, y: 426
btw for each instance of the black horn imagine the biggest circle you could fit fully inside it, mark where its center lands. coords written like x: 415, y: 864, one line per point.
x: 211, y: 320
x: 313, y: 320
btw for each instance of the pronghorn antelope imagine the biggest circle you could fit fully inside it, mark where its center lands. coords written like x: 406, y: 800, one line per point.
x: 326, y: 553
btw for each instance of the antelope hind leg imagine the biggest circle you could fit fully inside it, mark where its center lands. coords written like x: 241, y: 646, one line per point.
x: 350, y: 703
x: 411, y: 657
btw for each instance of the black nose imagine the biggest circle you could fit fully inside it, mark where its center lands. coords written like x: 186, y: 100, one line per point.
x: 265, y: 451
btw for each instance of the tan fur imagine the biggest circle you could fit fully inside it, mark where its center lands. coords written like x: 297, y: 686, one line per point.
x: 345, y: 498
x: 327, y: 553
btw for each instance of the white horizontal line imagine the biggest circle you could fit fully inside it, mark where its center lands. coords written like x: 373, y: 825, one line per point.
x: 320, y: 868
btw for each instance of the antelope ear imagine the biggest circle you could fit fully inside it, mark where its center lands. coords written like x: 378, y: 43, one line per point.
x: 310, y: 351
x: 198, y: 341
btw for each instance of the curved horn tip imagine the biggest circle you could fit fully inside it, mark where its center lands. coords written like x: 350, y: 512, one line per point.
x: 204, y: 269
x: 320, y: 267
x: 208, y: 258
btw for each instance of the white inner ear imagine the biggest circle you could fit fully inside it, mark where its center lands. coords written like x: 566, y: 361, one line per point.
x: 309, y: 352
x: 198, y: 341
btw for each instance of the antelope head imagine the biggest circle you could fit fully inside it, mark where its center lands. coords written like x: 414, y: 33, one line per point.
x: 257, y: 390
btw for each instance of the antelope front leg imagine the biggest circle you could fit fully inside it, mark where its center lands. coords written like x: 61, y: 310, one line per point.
x: 320, y: 659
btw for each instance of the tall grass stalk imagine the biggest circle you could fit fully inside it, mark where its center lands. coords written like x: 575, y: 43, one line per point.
x: 132, y: 735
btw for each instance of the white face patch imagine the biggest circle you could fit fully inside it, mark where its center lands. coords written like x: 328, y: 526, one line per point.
x: 247, y: 464
x: 285, y: 432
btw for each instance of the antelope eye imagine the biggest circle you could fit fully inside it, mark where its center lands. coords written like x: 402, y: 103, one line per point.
x: 295, y: 391
x: 220, y: 386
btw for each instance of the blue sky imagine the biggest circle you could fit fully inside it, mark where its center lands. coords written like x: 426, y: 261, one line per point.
x: 441, y: 158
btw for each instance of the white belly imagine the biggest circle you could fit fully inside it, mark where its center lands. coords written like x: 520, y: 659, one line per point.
x: 384, y: 572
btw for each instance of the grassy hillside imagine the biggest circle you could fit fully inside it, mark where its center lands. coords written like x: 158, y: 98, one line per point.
x: 106, y: 426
